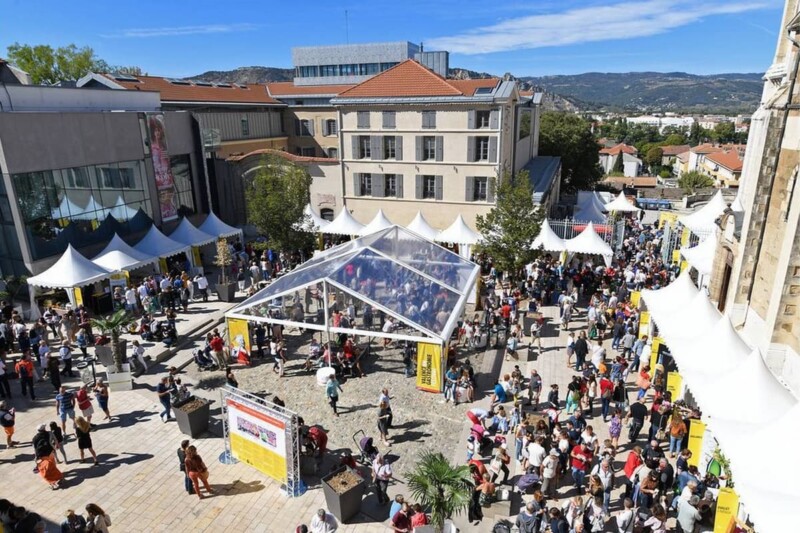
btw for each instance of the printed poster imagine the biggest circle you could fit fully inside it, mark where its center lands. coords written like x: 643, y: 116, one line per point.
x: 239, y: 333
x: 429, y: 367
x: 165, y: 181
x: 697, y: 431
x: 675, y: 385
x: 78, y: 297
x: 635, y: 297
x: 258, y: 440
x: 644, y: 323
x: 727, y: 509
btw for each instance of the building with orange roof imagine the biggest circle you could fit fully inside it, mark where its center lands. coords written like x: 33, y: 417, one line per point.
x: 724, y: 167
x: 632, y: 165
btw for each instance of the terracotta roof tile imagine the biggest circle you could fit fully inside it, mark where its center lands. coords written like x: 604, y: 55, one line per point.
x: 729, y: 160
x: 468, y: 87
x: 173, y: 92
x: 621, y: 147
x: 675, y: 150
x: 706, y: 148
x: 287, y: 88
x: 639, y: 181
x: 286, y: 155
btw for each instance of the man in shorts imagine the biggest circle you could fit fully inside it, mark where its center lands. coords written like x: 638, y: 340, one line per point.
x: 7, y: 420
x: 65, y: 407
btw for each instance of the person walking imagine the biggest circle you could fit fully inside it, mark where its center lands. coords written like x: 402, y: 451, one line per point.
x: 57, y: 441
x: 332, y: 392
x: 7, y: 421
x: 24, y: 368
x: 384, y: 397
x: 677, y: 431
x: 85, y: 402
x: 97, y: 519
x: 65, y: 407
x: 65, y: 353
x: 323, y: 522
x: 197, y: 471
x: 636, y: 415
x: 383, y: 421
x: 163, y: 390
x: 217, y: 346
x: 581, y: 461
x: 101, y: 395
x: 187, y: 483
x: 44, y: 456
x: 82, y: 431
x: 381, y: 474
x: 5, y: 388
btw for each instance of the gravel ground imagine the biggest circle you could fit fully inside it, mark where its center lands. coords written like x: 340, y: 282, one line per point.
x: 421, y: 419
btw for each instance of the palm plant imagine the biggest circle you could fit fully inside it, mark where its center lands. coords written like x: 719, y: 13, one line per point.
x: 440, y: 486
x: 113, y: 326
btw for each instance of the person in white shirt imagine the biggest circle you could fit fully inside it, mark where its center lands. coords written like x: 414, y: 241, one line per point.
x: 164, y: 283
x: 625, y: 518
x: 202, y: 285
x: 598, y: 354
x: 130, y: 300
x: 138, y: 354
x: 606, y: 474
x: 142, y: 290
x: 323, y: 522
x: 536, y: 453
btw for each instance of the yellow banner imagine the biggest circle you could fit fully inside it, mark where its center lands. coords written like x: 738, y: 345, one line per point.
x: 635, y: 296
x: 667, y: 218
x: 654, y: 351
x: 676, y: 256
x: 685, y: 236
x: 162, y: 264
x: 674, y: 385
x: 697, y: 431
x: 727, y: 509
x: 429, y: 367
x: 238, y: 333
x: 196, y: 255
x: 684, y: 265
x: 644, y: 323
x: 78, y: 297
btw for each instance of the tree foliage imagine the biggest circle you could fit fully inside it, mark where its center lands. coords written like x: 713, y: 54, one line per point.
x: 223, y: 259
x: 691, y: 181
x: 653, y: 156
x: 440, y: 486
x: 276, y: 199
x: 510, y: 228
x: 568, y: 136
x: 114, y: 325
x: 48, y: 65
x: 674, y: 139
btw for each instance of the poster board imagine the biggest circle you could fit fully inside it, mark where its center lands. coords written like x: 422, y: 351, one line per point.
x: 430, y: 376
x: 257, y: 439
x: 239, y: 333
x: 78, y: 297
x: 675, y: 385
x: 635, y: 298
x: 697, y: 431
x: 667, y: 218
x: 644, y: 323
x: 727, y: 509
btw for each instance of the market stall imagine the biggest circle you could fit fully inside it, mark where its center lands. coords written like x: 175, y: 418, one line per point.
x: 459, y: 233
x: 380, y: 222
x: 421, y: 227
x: 621, y: 204
x: 588, y: 242
x: 547, y: 240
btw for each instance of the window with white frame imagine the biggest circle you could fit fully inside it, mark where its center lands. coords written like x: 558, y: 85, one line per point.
x: 429, y: 187
x: 331, y: 128
x: 480, y: 188
x: 429, y: 148
x: 389, y: 147
x: 481, y: 148
x: 365, y: 184
x: 482, y: 119
x: 364, y: 147
x: 390, y: 185
x: 333, y: 153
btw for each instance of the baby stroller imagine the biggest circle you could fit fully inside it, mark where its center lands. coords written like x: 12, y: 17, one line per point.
x: 365, y: 447
x: 203, y: 361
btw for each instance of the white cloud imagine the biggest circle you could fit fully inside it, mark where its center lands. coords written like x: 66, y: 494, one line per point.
x: 178, y: 31
x: 624, y: 20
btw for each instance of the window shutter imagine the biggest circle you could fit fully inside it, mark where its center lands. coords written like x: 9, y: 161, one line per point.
x: 470, y: 194
x: 334, y: 127
x: 471, y: 116
x: 432, y: 119
x: 378, y: 185
x: 389, y: 119
x: 311, y: 127
x: 490, y: 183
x: 419, y: 184
x: 356, y: 152
x: 356, y: 184
x: 419, y: 149
x: 424, y: 119
x: 376, y: 148
x: 470, y: 149
x: 493, y: 149
x: 398, y: 147
x: 439, y: 148
x: 494, y: 119
x: 439, y: 186
x: 297, y: 127
x: 399, y: 185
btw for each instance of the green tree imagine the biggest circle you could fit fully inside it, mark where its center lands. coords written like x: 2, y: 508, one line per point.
x: 674, y: 139
x: 113, y: 325
x: 697, y: 134
x: 47, y: 65
x: 276, y: 198
x: 653, y: 156
x: 439, y: 486
x: 619, y: 163
x: 691, y: 181
x: 511, y: 226
x: 568, y: 136
x: 724, y: 132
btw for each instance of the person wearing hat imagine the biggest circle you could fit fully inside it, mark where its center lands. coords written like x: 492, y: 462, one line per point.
x: 548, y: 472
x: 323, y: 522
x: 65, y: 353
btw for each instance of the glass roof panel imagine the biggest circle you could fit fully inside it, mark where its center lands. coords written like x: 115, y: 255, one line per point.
x: 399, y: 289
x: 330, y: 253
x: 358, y: 313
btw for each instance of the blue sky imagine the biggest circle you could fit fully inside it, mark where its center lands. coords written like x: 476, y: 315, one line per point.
x: 533, y: 37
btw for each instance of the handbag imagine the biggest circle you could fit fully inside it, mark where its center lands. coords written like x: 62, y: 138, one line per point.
x: 660, y: 434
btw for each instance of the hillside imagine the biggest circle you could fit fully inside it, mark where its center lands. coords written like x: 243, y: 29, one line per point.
x: 593, y: 91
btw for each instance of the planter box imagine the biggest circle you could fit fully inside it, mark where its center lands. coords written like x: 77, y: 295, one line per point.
x: 193, y: 423
x: 226, y: 291
x: 346, y: 505
x: 119, y: 381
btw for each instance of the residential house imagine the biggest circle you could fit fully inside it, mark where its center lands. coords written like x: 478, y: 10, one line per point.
x: 724, y: 167
x: 632, y: 165
x: 669, y: 154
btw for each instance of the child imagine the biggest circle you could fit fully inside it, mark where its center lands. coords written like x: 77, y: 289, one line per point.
x: 470, y: 447
x: 515, y: 416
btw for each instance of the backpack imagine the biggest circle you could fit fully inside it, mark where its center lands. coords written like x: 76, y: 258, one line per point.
x: 23, y: 371
x: 41, y: 445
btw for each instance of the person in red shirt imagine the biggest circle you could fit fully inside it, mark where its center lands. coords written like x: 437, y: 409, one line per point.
x: 581, y: 461
x: 606, y: 391
x: 218, y: 347
x: 24, y: 368
x: 505, y: 313
x: 401, y: 522
x: 85, y: 402
x: 419, y: 518
x: 633, y: 464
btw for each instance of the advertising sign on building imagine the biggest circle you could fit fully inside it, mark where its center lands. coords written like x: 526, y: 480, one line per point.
x: 429, y: 367
x: 257, y: 439
x: 165, y: 181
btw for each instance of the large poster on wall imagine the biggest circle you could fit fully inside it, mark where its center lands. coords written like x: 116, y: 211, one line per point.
x: 257, y: 439
x: 165, y: 181
x: 429, y: 367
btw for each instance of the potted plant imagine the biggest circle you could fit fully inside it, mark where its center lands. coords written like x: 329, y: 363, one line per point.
x: 226, y: 289
x: 441, y: 487
x: 343, y: 489
x: 192, y: 416
x: 119, y: 372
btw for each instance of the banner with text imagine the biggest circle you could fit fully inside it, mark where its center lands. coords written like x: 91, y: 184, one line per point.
x: 257, y: 439
x: 727, y: 509
x: 697, y: 431
x: 429, y: 367
x: 165, y: 181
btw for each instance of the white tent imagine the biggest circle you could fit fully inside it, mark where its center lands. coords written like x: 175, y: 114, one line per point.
x: 458, y: 233
x: 676, y: 295
x: 119, y: 255
x: 589, y: 242
x: 701, y: 257
x: 92, y: 211
x: 380, y: 222
x: 155, y: 243
x: 589, y: 208
x: 122, y: 211
x: 71, y: 270
x: 214, y: 226
x: 547, y: 239
x: 621, y: 204
x: 687, y: 321
x: 715, y: 351
x: 343, y: 224
x: 187, y: 234
x: 702, y: 220
x: 749, y: 394
x: 421, y: 227
x: 316, y: 222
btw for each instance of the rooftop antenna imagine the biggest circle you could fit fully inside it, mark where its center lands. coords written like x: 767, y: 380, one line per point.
x: 346, y: 27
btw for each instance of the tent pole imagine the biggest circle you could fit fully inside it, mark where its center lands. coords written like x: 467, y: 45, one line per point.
x: 327, y: 321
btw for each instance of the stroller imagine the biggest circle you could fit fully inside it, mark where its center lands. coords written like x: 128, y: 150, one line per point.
x: 203, y: 361
x: 365, y: 447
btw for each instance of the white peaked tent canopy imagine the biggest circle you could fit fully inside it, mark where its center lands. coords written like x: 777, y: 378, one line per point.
x: 621, y: 203
x: 459, y: 233
x: 214, y: 226
x: 69, y: 209
x: 119, y: 255
x: 589, y: 212
x: 702, y: 220
x: 187, y: 234
x: 750, y: 394
x: 377, y: 224
x: 737, y: 205
x: 155, y: 243
x: 421, y: 227
x: 547, y: 239
x: 122, y: 211
x: 343, y: 224
x: 71, y: 270
x: 676, y: 295
x: 589, y: 242
x: 317, y: 222
x: 715, y: 351
x: 697, y: 316
x: 701, y: 256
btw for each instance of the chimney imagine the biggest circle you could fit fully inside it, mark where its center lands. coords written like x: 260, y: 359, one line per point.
x: 421, y: 48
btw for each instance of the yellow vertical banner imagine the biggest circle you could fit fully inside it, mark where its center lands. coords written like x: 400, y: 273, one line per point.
x: 685, y: 236
x: 429, y: 367
x: 727, y: 509
x: 635, y: 297
x: 654, y: 352
x: 674, y: 385
x: 78, y: 297
x: 644, y: 323
x: 676, y: 256
x: 162, y: 264
x: 196, y: 255
x: 684, y: 265
x: 697, y: 431
x: 239, y: 333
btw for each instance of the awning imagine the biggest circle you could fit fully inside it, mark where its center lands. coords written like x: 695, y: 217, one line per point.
x: 421, y: 227
x: 715, y: 351
x: 380, y: 222
x: 187, y: 234
x: 547, y: 239
x: 458, y: 233
x: 214, y: 226
x: 71, y: 270
x: 314, y: 222
x: 621, y: 204
x: 701, y: 257
x: 119, y: 255
x: 155, y: 243
x: 343, y: 224
x: 689, y: 321
x: 703, y: 220
x: 589, y: 242
x: 676, y: 295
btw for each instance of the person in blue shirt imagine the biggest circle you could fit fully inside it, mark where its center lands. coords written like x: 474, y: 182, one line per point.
x: 397, y: 504
x: 332, y: 391
x: 450, y: 383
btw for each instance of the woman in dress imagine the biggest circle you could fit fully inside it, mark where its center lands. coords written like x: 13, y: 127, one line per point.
x: 197, y: 471
x: 98, y: 521
x: 101, y: 395
x: 615, y: 428
x: 57, y: 441
x: 383, y: 423
x: 82, y: 429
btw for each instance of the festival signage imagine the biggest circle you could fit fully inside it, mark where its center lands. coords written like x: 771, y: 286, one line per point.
x: 165, y: 181
x: 667, y: 218
x: 727, y: 510
x: 674, y: 385
x: 239, y: 333
x: 635, y: 297
x: 644, y: 323
x: 78, y: 297
x: 429, y: 367
x: 697, y: 431
x: 257, y: 439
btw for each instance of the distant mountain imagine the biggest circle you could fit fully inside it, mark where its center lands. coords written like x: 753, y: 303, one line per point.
x: 592, y: 91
